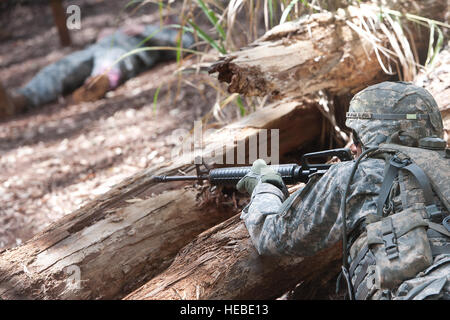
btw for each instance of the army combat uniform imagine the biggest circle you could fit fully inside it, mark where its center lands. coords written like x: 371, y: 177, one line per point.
x: 402, y: 252
x: 70, y: 72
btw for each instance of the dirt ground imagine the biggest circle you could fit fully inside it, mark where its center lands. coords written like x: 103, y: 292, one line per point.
x: 55, y: 159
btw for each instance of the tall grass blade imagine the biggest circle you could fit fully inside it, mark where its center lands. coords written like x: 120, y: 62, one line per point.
x: 161, y: 16
x: 433, y: 51
x: 155, y: 99
x: 207, y: 38
x: 240, y: 105
x: 289, y: 9
x: 212, y: 18
x: 270, y: 5
x: 179, y: 42
x: 232, y: 10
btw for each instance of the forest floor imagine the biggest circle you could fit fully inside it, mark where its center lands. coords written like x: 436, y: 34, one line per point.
x: 55, y: 159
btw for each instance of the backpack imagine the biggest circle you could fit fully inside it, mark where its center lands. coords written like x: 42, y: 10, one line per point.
x: 398, y: 243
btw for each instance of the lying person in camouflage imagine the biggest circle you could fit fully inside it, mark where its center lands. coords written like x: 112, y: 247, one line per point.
x: 395, y: 228
x: 98, y: 68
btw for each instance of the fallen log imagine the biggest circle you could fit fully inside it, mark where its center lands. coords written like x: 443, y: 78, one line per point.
x: 221, y: 263
x: 120, y: 240
x: 325, y: 51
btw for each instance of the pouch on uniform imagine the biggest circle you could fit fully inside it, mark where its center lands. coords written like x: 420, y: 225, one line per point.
x: 400, y: 245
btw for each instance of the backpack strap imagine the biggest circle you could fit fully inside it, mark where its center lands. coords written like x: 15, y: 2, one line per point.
x: 393, y: 166
x: 430, y: 206
x: 435, y: 163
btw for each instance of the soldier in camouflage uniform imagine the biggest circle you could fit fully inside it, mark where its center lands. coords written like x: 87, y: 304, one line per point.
x: 397, y: 231
x: 97, y: 66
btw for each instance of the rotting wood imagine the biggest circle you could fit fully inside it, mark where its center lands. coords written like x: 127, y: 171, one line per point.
x: 317, y: 52
x: 222, y: 263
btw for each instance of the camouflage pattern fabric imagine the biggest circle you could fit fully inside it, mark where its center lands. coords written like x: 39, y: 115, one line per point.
x: 308, y: 221
x: 312, y: 224
x: 395, y: 98
x: 58, y: 78
x: 432, y: 283
x: 69, y: 73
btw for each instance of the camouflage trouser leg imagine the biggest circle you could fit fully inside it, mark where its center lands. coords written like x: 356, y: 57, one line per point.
x: 59, y: 78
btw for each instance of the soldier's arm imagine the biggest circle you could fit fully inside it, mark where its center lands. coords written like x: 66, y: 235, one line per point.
x: 164, y: 36
x: 313, y: 223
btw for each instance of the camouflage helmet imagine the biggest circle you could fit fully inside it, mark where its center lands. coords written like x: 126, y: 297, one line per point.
x: 394, y: 112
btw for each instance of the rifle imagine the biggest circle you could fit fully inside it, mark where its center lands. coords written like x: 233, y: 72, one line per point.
x: 291, y: 173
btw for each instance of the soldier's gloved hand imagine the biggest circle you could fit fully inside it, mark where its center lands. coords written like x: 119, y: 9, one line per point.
x: 260, y: 172
x: 268, y: 175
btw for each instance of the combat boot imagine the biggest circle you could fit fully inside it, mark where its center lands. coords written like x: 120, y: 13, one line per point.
x: 93, y: 89
x: 11, y: 104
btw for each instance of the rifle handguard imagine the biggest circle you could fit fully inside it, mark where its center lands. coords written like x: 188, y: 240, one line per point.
x: 290, y: 173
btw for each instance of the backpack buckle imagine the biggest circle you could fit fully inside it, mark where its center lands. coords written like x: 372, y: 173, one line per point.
x: 434, y: 213
x: 389, y: 239
x: 399, y: 163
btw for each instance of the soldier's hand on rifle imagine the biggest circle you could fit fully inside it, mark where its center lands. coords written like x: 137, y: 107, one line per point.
x: 260, y: 172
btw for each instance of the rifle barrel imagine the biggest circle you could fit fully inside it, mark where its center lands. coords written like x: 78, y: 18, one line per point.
x: 178, y: 178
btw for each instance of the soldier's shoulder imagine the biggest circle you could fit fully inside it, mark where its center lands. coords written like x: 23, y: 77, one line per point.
x: 364, y: 164
x: 366, y: 167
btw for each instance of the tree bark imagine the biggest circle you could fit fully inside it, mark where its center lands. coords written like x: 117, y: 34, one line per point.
x: 319, y: 52
x: 222, y: 263
x: 59, y: 16
x: 125, y: 237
